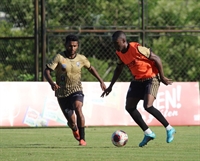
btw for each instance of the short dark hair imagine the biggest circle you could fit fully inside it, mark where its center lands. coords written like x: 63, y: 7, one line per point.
x: 118, y: 34
x: 71, y: 37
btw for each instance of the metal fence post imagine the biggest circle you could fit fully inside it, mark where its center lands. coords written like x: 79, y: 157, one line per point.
x: 43, y: 38
x: 36, y: 43
x: 143, y: 22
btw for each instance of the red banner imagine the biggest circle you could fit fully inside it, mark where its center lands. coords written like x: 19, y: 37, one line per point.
x: 34, y: 104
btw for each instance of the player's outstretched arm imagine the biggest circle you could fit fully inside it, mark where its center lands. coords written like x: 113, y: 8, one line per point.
x: 116, y: 75
x: 93, y: 71
x: 47, y: 75
x: 158, y: 62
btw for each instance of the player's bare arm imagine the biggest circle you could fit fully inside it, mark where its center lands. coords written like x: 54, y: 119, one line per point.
x: 47, y: 75
x: 116, y: 75
x: 93, y: 71
x: 158, y: 62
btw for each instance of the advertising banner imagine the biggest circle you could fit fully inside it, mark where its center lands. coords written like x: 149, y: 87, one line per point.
x: 33, y: 104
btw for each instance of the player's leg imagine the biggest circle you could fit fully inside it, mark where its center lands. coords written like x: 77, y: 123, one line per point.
x: 150, y: 95
x: 131, y: 104
x: 134, y: 95
x: 68, y: 112
x: 78, y: 104
x: 72, y: 124
x: 80, y: 121
x: 71, y: 118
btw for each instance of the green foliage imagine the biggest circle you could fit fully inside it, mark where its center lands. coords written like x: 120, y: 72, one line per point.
x: 17, y: 55
x: 17, y: 58
x: 174, y: 14
x: 25, y: 77
x: 9, y: 74
x: 19, y: 16
x: 179, y: 51
x: 179, y: 58
x: 92, y: 13
x: 101, y: 67
x: 105, y: 70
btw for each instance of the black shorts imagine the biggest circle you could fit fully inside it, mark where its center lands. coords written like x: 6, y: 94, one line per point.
x: 138, y: 89
x: 68, y: 102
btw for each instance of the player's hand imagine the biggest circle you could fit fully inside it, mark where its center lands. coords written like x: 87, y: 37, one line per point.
x: 166, y: 81
x: 103, y: 86
x: 54, y: 86
x: 106, y: 91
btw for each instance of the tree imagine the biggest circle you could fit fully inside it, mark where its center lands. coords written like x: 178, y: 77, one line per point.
x: 179, y: 51
x: 17, y: 55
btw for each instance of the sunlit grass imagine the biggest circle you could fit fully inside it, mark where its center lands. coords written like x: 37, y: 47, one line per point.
x: 58, y: 144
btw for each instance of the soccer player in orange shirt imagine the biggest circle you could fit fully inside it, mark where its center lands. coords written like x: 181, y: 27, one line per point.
x: 146, y: 68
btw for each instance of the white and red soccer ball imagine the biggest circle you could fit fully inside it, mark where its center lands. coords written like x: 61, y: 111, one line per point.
x: 119, y: 138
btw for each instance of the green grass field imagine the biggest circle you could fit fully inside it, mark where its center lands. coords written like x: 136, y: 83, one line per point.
x: 58, y: 144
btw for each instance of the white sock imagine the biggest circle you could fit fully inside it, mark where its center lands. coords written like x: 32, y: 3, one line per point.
x: 148, y: 131
x: 169, y: 127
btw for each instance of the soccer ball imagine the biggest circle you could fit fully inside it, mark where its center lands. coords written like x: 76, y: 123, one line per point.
x: 119, y: 138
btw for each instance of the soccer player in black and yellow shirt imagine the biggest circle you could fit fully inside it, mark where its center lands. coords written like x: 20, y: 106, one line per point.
x: 68, y: 87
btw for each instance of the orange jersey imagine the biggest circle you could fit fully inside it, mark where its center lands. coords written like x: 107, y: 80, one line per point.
x: 138, y: 62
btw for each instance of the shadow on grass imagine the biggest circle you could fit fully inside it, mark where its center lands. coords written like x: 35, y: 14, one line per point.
x: 61, y: 147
